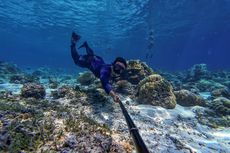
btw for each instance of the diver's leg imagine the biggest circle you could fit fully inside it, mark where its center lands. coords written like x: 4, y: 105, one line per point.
x: 74, y: 54
x: 88, y: 49
x: 78, y: 59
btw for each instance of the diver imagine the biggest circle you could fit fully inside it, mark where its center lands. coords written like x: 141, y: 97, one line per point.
x: 97, y: 65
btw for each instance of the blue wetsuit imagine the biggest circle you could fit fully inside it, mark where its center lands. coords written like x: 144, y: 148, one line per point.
x: 95, y: 63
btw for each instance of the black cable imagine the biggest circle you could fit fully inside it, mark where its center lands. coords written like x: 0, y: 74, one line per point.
x: 139, y: 143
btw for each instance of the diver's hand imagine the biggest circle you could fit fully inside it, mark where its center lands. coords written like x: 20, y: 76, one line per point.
x: 115, y: 97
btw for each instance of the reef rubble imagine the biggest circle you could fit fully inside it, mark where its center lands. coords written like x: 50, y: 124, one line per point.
x: 44, y: 110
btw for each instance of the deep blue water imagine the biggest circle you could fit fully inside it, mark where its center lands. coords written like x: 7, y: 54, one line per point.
x: 181, y: 33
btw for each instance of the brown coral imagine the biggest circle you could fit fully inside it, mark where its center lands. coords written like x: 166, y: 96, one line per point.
x: 33, y: 90
x: 187, y: 98
x: 156, y: 91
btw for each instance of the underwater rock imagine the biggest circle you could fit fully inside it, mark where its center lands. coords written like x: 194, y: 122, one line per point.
x: 66, y: 78
x: 223, y: 92
x: 155, y: 90
x: 97, y: 95
x: 53, y: 84
x: 227, y: 83
x: 210, y: 118
x: 96, y: 84
x: 33, y: 90
x: 70, y: 141
x: 208, y: 85
x: 1, y: 80
x: 7, y: 68
x: 190, y: 86
x: 86, y: 78
x: 5, y: 94
x: 124, y: 87
x: 4, y: 140
x: 19, y: 79
x: 174, y: 79
x: 63, y: 91
x: 136, y: 71
x: 197, y: 72
x: 187, y: 98
x: 67, y: 92
x: 221, y: 105
x: 38, y: 73
x: 23, y: 78
x: 88, y: 142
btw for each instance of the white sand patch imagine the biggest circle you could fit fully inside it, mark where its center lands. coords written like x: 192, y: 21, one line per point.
x: 156, y: 112
x: 105, y: 115
x: 222, y: 135
x: 157, y: 125
x: 205, y: 95
x: 48, y: 92
x: 14, y: 88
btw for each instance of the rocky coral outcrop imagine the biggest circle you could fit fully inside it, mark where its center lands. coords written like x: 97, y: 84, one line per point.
x: 67, y: 92
x: 187, y: 98
x: 197, y: 72
x: 97, y: 95
x: 86, y: 78
x: 221, y: 105
x: 124, y: 87
x: 155, y: 90
x: 136, y: 71
x: 7, y: 68
x: 23, y: 78
x: 208, y: 85
x: 222, y: 92
x: 53, y: 83
x: 42, y: 72
x: 33, y: 90
x: 98, y: 142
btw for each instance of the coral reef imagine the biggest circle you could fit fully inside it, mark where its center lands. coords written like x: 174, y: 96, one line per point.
x: 23, y: 78
x: 221, y: 105
x: 198, y: 79
x: 97, y: 95
x: 68, y: 92
x: 53, y: 83
x: 33, y: 90
x: 40, y: 126
x: 136, y: 71
x: 124, y: 87
x: 86, y: 78
x: 197, y: 72
x: 208, y: 85
x: 7, y: 68
x: 211, y: 118
x: 187, y: 98
x: 156, y: 91
x: 222, y: 92
x: 44, y: 110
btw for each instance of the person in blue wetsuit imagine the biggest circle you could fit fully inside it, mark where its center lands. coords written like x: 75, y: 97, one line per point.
x: 97, y: 65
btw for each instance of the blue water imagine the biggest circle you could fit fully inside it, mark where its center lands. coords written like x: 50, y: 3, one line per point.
x: 176, y: 33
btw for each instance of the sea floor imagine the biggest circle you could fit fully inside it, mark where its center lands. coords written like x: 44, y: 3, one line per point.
x: 72, y: 117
